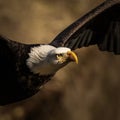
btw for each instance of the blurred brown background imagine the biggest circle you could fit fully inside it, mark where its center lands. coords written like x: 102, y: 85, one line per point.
x: 87, y: 91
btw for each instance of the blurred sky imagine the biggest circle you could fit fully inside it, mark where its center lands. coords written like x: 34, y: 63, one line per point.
x: 40, y: 20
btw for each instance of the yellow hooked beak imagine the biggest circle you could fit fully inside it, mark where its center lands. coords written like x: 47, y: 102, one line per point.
x: 73, y: 56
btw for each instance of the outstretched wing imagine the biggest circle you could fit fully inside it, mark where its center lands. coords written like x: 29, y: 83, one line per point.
x: 100, y: 26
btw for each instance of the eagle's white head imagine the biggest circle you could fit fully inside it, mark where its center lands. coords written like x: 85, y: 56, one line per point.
x: 46, y: 59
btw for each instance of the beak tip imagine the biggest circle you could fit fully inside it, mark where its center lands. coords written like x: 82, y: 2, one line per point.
x: 73, y: 56
x: 76, y: 62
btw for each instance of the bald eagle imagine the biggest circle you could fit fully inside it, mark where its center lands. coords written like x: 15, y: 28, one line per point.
x: 25, y: 67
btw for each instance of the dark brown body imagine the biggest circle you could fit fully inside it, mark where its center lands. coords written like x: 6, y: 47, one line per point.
x: 17, y: 82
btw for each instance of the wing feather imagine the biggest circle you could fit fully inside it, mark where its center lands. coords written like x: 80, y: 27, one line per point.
x: 100, y: 26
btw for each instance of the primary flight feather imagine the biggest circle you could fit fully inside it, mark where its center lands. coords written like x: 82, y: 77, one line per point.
x: 25, y: 67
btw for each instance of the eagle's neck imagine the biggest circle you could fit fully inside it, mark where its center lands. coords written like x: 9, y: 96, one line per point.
x: 37, y: 61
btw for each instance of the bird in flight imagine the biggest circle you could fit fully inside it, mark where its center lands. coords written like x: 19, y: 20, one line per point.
x: 26, y: 67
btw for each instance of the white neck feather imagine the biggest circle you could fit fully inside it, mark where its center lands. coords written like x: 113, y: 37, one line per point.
x: 36, y: 61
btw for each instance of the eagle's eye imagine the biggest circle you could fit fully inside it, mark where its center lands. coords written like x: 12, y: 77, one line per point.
x: 59, y: 56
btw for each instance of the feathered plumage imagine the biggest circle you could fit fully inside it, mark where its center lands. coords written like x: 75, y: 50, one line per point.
x: 100, y: 26
x: 17, y: 81
x: 20, y: 64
